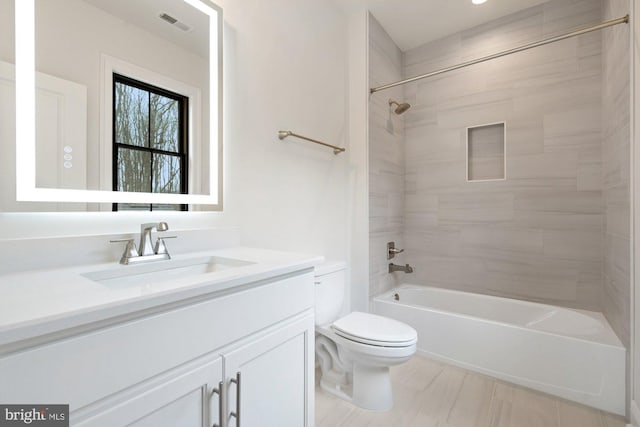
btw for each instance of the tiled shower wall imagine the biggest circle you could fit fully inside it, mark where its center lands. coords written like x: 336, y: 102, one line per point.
x: 386, y: 159
x: 538, y: 235
x: 616, y: 171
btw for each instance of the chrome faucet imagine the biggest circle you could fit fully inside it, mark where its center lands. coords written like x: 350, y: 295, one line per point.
x: 146, y: 251
x: 404, y: 268
x: 146, y: 246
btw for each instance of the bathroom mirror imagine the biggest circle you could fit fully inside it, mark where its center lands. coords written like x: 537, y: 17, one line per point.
x: 118, y: 101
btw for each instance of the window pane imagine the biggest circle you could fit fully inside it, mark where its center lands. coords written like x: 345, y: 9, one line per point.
x: 165, y: 123
x: 148, y: 207
x: 134, y: 207
x: 166, y: 177
x: 132, y: 115
x: 134, y: 170
x: 165, y: 207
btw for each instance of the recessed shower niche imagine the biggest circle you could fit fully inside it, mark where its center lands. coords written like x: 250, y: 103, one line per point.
x: 486, y: 160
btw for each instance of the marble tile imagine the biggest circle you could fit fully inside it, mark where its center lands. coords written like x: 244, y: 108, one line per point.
x: 589, y: 177
x: 476, y: 109
x: 529, y: 69
x: 560, y: 16
x: 615, y: 169
x: 441, y: 176
x: 330, y: 411
x: 556, y: 94
x: 475, y: 208
x: 573, y: 415
x: 609, y: 420
x: 502, y: 225
x: 441, y: 241
x: 420, y: 115
x: 438, y: 54
x: 386, y: 159
x: 536, y: 278
x: 431, y: 144
x: 543, y: 166
x: 568, y: 130
x: 589, y: 289
x: 481, y: 238
x: 502, y: 33
x: 472, y: 405
x: 515, y: 406
x: 551, y: 200
x: 525, y: 135
x: 550, y: 220
x: 417, y: 374
x: 573, y: 245
x: 439, y: 398
x: 554, y: 230
x: 429, y: 393
x: 452, y: 85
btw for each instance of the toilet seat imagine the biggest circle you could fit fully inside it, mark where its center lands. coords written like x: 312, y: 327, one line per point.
x: 370, y: 329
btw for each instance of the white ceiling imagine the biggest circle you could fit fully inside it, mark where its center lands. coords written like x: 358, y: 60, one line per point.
x: 411, y: 23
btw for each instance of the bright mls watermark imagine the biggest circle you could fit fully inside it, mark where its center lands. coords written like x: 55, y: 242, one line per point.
x: 36, y: 415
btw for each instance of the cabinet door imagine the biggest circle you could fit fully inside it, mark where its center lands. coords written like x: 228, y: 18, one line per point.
x: 275, y: 378
x: 183, y: 397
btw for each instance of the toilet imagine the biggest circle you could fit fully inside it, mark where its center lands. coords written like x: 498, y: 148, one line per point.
x: 356, y: 350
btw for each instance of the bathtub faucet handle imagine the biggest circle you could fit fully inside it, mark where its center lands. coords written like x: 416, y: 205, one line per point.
x: 392, y: 251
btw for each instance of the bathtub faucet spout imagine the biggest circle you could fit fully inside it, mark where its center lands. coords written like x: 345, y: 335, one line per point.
x: 404, y: 268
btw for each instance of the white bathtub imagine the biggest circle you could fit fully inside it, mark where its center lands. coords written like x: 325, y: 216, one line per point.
x: 569, y: 353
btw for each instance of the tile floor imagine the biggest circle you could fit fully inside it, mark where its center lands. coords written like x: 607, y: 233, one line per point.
x: 432, y: 394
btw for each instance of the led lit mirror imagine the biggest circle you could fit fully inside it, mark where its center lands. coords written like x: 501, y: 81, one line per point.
x: 118, y: 102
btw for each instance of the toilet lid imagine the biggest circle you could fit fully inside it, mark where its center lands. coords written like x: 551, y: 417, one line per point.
x: 375, y: 330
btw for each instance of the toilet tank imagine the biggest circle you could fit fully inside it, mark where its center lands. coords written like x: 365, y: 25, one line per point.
x: 329, y: 281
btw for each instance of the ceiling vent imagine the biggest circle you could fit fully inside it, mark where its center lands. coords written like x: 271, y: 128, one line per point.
x: 173, y: 21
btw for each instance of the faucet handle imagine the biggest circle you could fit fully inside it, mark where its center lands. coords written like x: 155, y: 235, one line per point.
x: 130, y: 250
x: 392, y: 251
x: 161, y: 248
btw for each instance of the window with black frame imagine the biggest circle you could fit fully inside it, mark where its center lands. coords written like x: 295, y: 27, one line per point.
x: 150, y: 142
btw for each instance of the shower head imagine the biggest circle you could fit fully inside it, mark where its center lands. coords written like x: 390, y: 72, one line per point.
x: 401, y: 108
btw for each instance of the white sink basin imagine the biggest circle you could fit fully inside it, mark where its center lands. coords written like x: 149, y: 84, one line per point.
x: 162, y: 271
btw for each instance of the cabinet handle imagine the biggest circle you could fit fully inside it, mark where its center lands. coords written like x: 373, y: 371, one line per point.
x: 221, y: 404
x: 236, y: 414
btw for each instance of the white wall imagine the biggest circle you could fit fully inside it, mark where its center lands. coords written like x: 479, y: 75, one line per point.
x: 285, y: 68
x: 6, y: 31
x: 358, y: 196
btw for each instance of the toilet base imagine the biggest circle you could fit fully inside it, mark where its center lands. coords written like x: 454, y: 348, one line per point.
x: 369, y: 388
x: 341, y: 391
x: 372, y: 387
x: 357, y: 372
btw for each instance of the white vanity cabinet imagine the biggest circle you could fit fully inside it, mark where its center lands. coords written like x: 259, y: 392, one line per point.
x: 167, y: 366
x: 273, y: 380
x: 182, y: 398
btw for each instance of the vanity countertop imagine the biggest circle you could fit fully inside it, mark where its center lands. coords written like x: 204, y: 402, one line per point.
x: 46, y: 301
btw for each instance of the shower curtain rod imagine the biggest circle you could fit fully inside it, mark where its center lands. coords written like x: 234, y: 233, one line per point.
x: 623, y: 20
